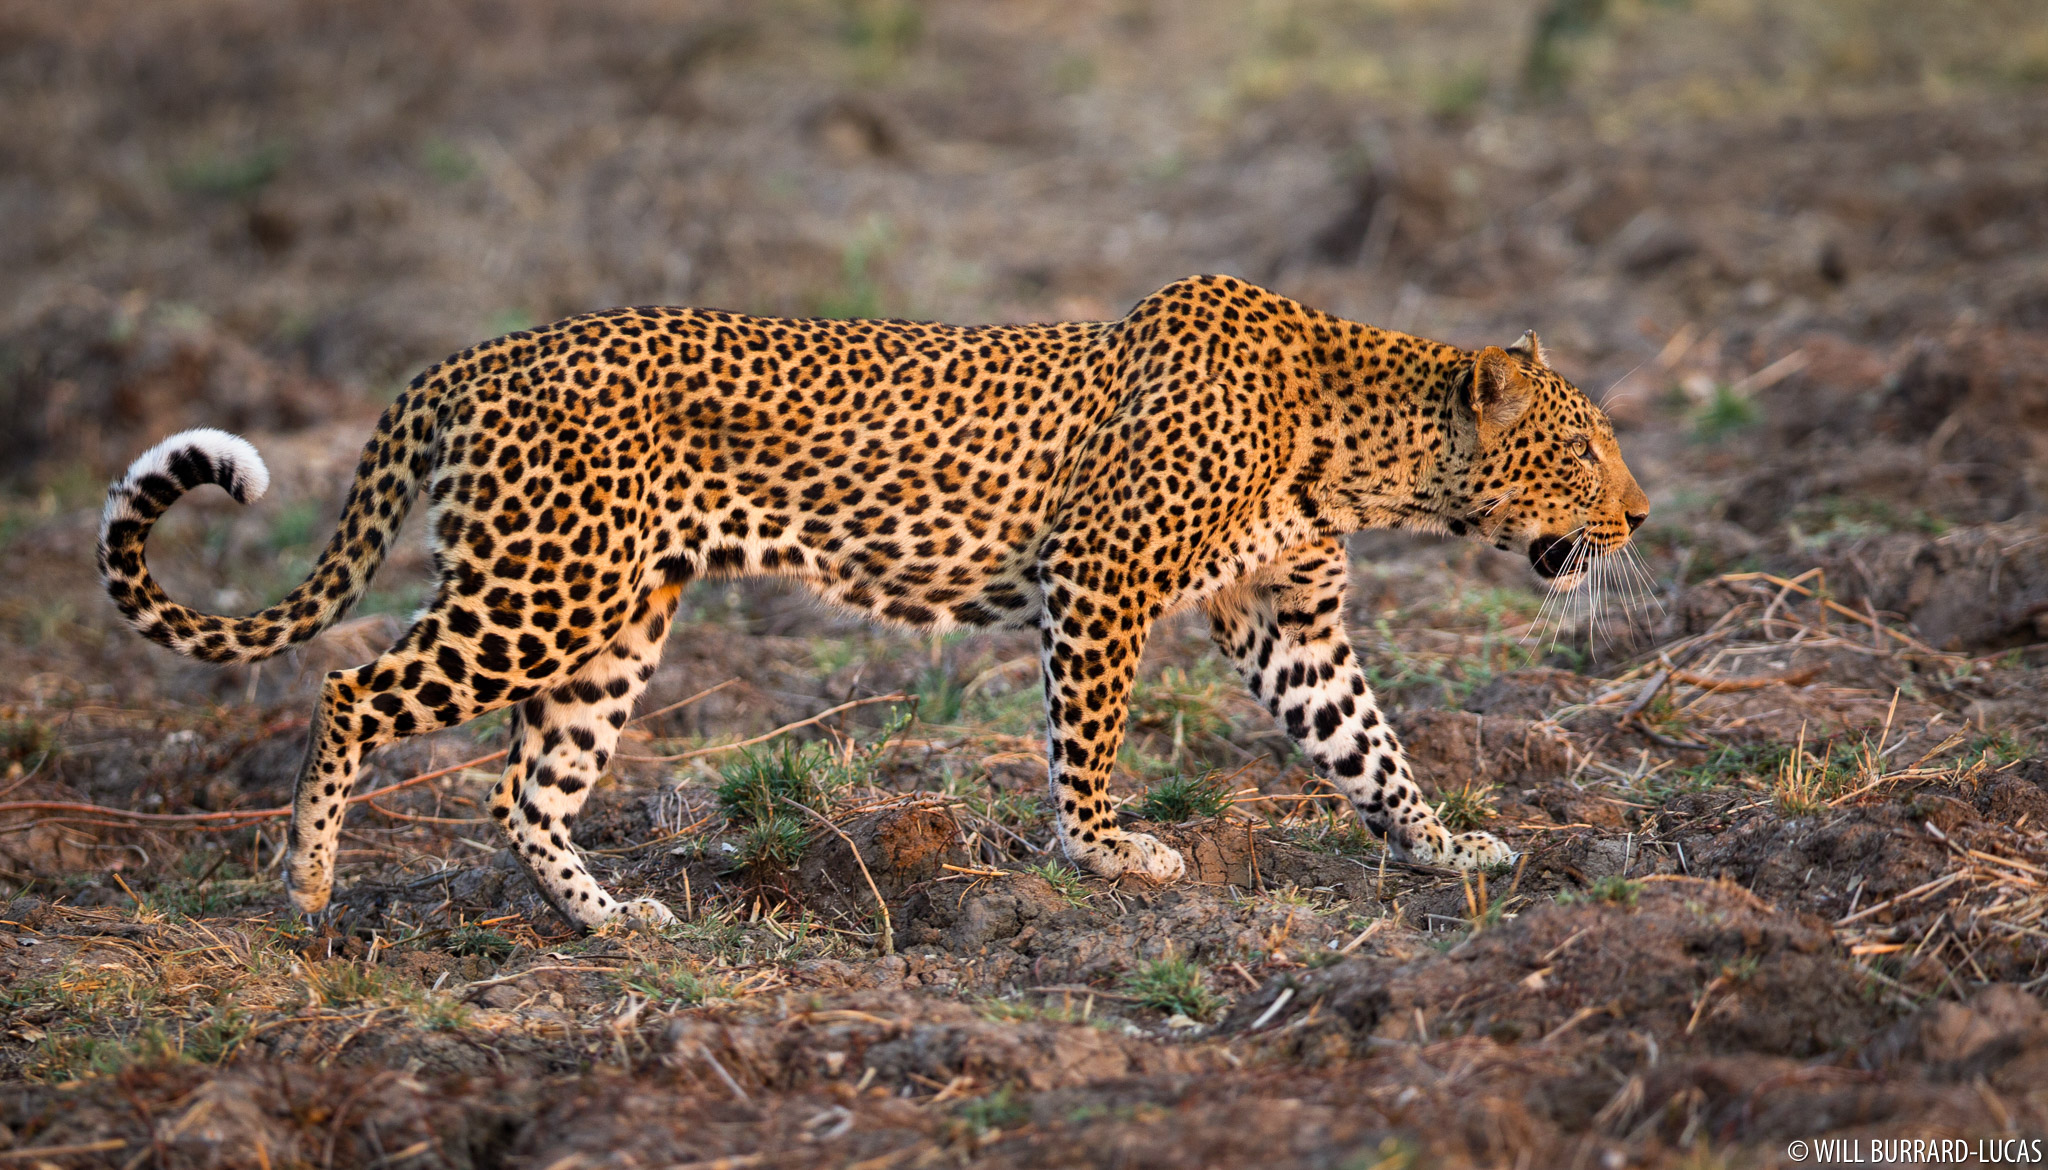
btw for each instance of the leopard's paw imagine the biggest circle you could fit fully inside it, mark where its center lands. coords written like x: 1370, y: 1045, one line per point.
x: 1477, y: 850
x: 310, y: 883
x: 644, y: 914
x: 1156, y: 859
x: 1135, y: 853
x: 1432, y: 844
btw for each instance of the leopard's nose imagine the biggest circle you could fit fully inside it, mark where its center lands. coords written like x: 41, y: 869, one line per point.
x: 1635, y: 520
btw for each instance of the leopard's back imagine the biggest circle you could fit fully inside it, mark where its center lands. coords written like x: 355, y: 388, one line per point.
x: 903, y: 469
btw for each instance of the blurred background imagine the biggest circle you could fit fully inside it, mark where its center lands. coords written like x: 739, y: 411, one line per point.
x: 1799, y: 247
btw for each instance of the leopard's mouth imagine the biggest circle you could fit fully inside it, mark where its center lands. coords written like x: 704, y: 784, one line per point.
x: 1565, y: 560
x: 1551, y: 555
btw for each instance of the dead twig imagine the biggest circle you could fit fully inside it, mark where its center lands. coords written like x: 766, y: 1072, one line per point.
x: 1793, y: 678
x: 1794, y: 585
x: 37, y: 1153
x: 785, y: 729
x: 483, y: 983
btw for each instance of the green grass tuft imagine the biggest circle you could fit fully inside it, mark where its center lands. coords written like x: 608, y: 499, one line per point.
x: 671, y: 984
x: 759, y: 792
x: 1468, y: 808
x: 1183, y: 798
x: 774, y: 843
x: 754, y: 787
x: 1726, y: 413
x: 26, y: 741
x: 1173, y: 985
x: 481, y: 942
x: 993, y: 1113
x: 1613, y: 889
x: 940, y: 697
x: 341, y: 983
x: 1063, y: 880
x: 232, y: 176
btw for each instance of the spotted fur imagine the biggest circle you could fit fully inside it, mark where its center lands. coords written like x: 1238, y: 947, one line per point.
x: 1208, y: 450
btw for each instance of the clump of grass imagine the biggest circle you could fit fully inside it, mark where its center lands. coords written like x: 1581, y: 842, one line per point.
x: 438, y: 1012
x: 1183, y: 798
x: 1064, y: 882
x: 752, y: 785
x: 940, y: 696
x: 73, y: 1052
x: 1025, y: 1011
x: 990, y: 1114
x: 1290, y: 894
x: 1800, y: 790
x: 1997, y: 750
x: 760, y: 793
x: 1806, y: 782
x: 1467, y: 808
x: 193, y: 900
x: 1187, y: 706
x: 859, y: 294
x: 233, y: 176
x: 26, y: 741
x: 447, y: 162
x: 1614, y: 889
x: 343, y: 983
x: 480, y: 942
x: 1460, y: 94
x: 674, y: 983
x: 1741, y: 970
x: 1724, y: 414
x: 1337, y: 832
x: 1730, y: 763
x: 1801, y: 782
x: 756, y: 785
x: 716, y: 928
x: 1173, y: 985
x: 757, y: 793
x: 103, y: 993
x: 216, y: 1037
x: 776, y: 842
x: 1392, y: 1153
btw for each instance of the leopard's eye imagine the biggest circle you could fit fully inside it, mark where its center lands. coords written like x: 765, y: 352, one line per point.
x: 1582, y: 447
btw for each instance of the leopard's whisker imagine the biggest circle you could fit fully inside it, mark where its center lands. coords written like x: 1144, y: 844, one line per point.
x: 1646, y: 577
x: 1598, y: 620
x: 1563, y: 604
x: 1607, y: 396
x: 1636, y: 594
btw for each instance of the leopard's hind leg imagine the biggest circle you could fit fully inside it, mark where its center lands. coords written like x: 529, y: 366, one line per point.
x: 408, y: 690
x: 561, y: 740
x: 447, y: 669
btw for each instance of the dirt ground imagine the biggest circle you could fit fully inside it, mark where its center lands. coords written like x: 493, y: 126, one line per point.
x: 1781, y: 804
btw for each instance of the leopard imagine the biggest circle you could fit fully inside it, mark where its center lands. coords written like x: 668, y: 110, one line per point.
x: 1208, y: 452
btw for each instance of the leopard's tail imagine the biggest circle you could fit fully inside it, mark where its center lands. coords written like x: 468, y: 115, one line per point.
x: 392, y: 466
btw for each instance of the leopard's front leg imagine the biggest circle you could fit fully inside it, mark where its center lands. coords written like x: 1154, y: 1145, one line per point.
x: 1089, y: 658
x: 1284, y: 631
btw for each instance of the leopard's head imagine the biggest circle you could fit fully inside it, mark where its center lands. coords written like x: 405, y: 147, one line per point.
x: 1546, y: 476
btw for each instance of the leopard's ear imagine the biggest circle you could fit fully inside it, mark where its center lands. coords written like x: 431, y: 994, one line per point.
x: 1501, y: 392
x: 1530, y: 349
